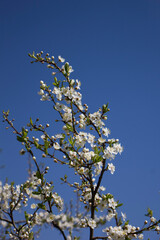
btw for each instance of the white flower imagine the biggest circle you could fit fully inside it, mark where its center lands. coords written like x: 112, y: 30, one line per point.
x: 92, y: 223
x: 98, y: 168
x: 107, y: 154
x: 72, y: 154
x: 110, y: 216
x: 50, y: 217
x: 59, y: 106
x: 41, y: 92
x: 111, y: 167
x: 45, y: 97
x: 67, y: 117
x: 153, y: 219
x: 140, y: 236
x: 105, y: 131
x: 123, y: 216
x: 61, y: 59
x: 112, y: 203
x: 56, y: 146
x: 90, y: 139
x: 81, y: 170
x: 58, y: 93
x: 118, y: 148
x: 78, y: 84
x: 81, y: 139
x: 112, y: 150
x: 43, y: 136
x: 130, y: 228
x: 3, y: 223
x: 39, y: 181
x: 89, y: 155
x: 59, y: 136
x: 33, y: 205
x: 157, y: 228
x: 102, y: 188
x: 101, y: 140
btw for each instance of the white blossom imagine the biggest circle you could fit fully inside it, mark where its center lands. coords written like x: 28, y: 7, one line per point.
x: 111, y: 167
x: 56, y: 146
x: 92, y: 223
x: 61, y: 59
x: 112, y: 203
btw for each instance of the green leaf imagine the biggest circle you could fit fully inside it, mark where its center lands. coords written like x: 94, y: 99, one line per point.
x: 66, y: 67
x: 69, y: 127
x: 36, y: 145
x: 150, y: 213
x: 108, y: 195
x: 42, y: 206
x: 120, y: 222
x: 38, y: 175
x: 31, y: 122
x: 7, y: 113
x: 26, y: 216
x: 127, y: 238
x: 20, y: 139
x: 96, y: 151
x: 119, y: 205
x: 46, y: 145
x: 88, y: 122
x: 126, y: 223
x: 27, y: 147
x: 31, y: 237
x: 24, y: 132
x: 97, y: 158
x: 36, y: 193
x: 96, y: 209
x: 32, y: 55
x: 71, y: 141
x: 105, y: 108
x: 56, y: 82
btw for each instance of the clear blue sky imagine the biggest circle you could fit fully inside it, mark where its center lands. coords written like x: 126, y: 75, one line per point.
x: 114, y: 48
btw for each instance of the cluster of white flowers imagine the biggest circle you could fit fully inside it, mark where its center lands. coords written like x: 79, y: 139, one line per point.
x: 82, y: 121
x: 86, y: 148
x: 82, y: 138
x: 111, y: 151
x: 10, y: 196
x: 96, y: 119
x: 24, y: 233
x: 13, y: 198
x: 118, y: 232
x: 44, y: 96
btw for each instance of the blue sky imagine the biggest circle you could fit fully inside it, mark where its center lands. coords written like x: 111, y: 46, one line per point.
x: 114, y: 48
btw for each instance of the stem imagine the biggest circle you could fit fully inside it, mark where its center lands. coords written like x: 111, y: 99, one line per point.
x: 145, y: 229
x: 56, y: 226
x: 100, y: 177
x: 92, y: 205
